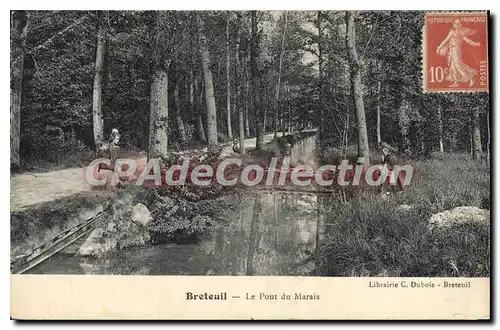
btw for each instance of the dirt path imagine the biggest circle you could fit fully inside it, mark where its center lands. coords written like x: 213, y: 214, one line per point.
x: 251, y: 143
x: 28, y: 189
x: 32, y: 188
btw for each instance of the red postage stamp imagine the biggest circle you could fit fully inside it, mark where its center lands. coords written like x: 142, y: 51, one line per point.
x: 455, y: 52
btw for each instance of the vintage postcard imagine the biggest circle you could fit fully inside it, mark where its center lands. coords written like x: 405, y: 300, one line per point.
x: 238, y: 165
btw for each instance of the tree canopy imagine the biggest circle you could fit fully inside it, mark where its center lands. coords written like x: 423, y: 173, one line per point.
x: 300, y: 79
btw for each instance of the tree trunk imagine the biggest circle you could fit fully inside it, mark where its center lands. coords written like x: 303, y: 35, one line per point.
x: 404, y: 122
x: 264, y: 120
x: 278, y: 84
x: 209, y: 85
x: 440, y: 119
x: 241, y: 128
x: 254, y: 54
x: 379, y: 136
x: 320, y: 87
x: 158, y: 122
x: 290, y: 119
x: 199, y: 113
x: 97, y: 116
x: 192, y: 107
x: 18, y: 29
x: 476, y: 137
x: 201, y: 129
x: 195, y: 108
x: 471, y: 139
x: 347, y: 125
x: 158, y: 101
x: 178, y: 116
x: 288, y: 108
x: 285, y: 110
x: 247, y: 99
x: 355, y: 75
x: 189, y: 114
x: 247, y: 116
x: 228, y: 79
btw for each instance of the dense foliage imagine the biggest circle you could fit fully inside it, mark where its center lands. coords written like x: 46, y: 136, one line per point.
x: 56, y: 116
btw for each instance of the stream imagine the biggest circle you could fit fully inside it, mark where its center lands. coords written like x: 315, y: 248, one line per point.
x: 272, y: 234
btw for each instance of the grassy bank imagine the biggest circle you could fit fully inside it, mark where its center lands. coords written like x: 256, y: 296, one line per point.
x: 41, y: 222
x: 175, y: 216
x: 372, y: 236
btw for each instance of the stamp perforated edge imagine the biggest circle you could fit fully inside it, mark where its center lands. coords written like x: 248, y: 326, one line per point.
x: 423, y: 52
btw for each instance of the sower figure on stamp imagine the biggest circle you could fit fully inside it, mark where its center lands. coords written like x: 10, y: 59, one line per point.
x: 451, y: 47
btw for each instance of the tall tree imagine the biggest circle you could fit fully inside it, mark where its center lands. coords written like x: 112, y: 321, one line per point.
x: 158, y: 127
x: 355, y: 75
x: 404, y: 121
x: 18, y: 29
x: 254, y: 55
x: 196, y: 92
x: 241, y: 122
x: 158, y: 121
x: 247, y: 95
x: 379, y: 96
x: 440, y: 119
x: 476, y: 134
x: 320, y: 72
x: 97, y: 116
x: 278, y: 83
x: 62, y: 56
x: 228, y: 80
x: 199, y: 120
x: 178, y: 115
x: 209, y: 85
x: 286, y: 110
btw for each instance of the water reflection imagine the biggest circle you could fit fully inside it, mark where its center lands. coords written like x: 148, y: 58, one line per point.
x: 272, y: 234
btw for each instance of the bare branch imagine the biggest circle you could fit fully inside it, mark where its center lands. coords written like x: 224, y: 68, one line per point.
x: 371, y: 35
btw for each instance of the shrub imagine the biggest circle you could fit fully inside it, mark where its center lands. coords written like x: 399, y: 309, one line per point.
x: 371, y: 236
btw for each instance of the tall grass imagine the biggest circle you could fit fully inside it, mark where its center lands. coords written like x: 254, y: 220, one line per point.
x: 372, y: 236
x: 448, y: 181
